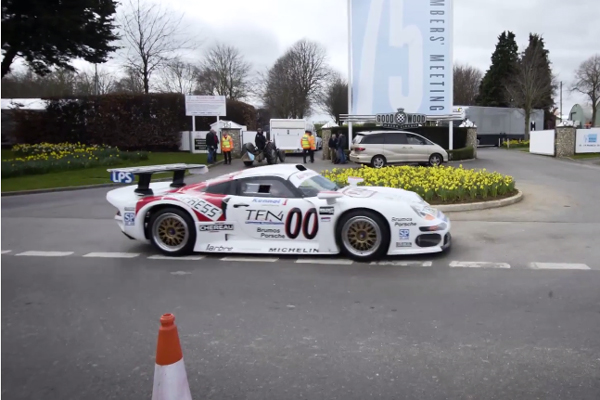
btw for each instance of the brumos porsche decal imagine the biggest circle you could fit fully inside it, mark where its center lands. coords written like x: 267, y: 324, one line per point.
x: 294, y: 223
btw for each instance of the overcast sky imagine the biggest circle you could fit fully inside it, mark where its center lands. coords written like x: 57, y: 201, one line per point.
x: 263, y: 29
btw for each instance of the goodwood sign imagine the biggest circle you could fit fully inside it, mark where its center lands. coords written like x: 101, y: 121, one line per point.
x: 400, y: 119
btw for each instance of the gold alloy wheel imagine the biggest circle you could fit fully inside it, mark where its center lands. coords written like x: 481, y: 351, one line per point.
x: 361, y: 236
x: 170, y: 232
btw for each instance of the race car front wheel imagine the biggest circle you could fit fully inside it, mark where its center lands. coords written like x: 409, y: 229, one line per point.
x: 363, y: 235
x: 172, y: 231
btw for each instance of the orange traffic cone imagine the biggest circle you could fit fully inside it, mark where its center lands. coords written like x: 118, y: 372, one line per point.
x: 170, y: 378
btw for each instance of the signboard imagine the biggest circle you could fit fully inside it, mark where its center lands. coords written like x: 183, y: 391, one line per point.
x: 205, y: 106
x: 587, y: 141
x: 401, y: 55
x: 400, y: 120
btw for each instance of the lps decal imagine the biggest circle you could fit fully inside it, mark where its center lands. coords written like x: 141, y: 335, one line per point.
x: 326, y: 210
x: 210, y: 247
x: 215, y: 227
x: 404, y: 234
x: 208, y: 210
x: 296, y: 222
x: 292, y: 250
x: 129, y: 218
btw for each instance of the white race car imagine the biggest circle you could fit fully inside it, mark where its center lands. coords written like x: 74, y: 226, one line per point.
x: 276, y: 209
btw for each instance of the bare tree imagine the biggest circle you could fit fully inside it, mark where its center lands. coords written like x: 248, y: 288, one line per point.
x: 587, y: 82
x: 466, y: 84
x: 131, y: 82
x: 178, y: 77
x: 224, y: 72
x: 296, y: 81
x: 89, y: 83
x: 531, y: 83
x: 154, y: 35
x: 334, y: 99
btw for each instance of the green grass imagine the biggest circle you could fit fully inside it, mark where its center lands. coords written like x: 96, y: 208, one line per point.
x: 91, y: 176
x: 585, y: 155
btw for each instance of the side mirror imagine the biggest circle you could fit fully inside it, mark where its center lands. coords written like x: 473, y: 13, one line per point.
x: 331, y: 197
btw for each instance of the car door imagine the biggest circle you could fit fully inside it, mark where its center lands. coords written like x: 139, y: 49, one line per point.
x: 272, y: 212
x: 421, y: 149
x: 396, y: 148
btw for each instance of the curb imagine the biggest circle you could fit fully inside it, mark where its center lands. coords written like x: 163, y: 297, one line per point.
x: 73, y: 188
x: 482, y: 205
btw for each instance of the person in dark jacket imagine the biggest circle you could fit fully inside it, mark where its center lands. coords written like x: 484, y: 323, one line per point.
x: 333, y: 148
x: 212, y: 142
x: 260, y: 141
x: 340, y: 149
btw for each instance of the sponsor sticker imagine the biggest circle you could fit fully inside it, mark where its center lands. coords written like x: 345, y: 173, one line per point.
x: 269, y: 202
x: 325, y: 219
x: 404, y: 234
x: 360, y: 193
x: 215, y: 227
x: 270, y: 233
x: 292, y: 250
x: 402, y: 222
x: 403, y: 244
x: 129, y: 218
x: 205, y: 208
x: 210, y: 247
x: 264, y: 217
x: 326, y: 210
x: 129, y: 208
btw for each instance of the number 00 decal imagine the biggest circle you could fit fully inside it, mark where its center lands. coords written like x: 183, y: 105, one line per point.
x: 302, y: 222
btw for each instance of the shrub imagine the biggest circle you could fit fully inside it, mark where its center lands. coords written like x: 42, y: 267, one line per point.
x: 46, y: 157
x: 466, y: 153
x: 435, y: 184
x: 515, y: 144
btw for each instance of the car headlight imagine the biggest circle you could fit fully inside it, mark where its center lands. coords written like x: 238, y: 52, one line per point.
x: 439, y: 227
x: 426, y: 213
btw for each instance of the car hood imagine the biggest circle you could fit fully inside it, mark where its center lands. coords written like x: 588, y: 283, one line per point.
x: 383, y: 193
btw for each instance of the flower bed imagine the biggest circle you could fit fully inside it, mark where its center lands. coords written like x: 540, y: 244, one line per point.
x: 437, y: 185
x: 514, y: 144
x: 46, y: 157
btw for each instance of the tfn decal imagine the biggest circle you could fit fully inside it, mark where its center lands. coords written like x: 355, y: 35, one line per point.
x: 129, y: 218
x: 326, y: 210
x: 404, y: 234
x: 264, y: 217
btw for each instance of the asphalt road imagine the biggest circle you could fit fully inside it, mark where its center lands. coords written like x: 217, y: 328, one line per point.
x: 78, y: 327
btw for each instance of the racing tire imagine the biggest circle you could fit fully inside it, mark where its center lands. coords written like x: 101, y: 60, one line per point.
x: 363, y: 235
x: 172, y: 232
x: 436, y: 159
x: 378, y: 161
x: 281, y: 155
x: 270, y: 154
x: 250, y: 148
x: 248, y: 163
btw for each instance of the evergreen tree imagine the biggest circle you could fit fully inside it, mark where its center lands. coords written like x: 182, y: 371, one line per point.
x: 50, y: 33
x: 504, y: 60
x: 537, y: 47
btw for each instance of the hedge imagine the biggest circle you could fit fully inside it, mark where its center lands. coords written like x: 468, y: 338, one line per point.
x: 437, y: 134
x: 466, y: 153
x: 126, y: 121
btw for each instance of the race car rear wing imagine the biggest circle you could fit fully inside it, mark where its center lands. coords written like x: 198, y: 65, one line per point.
x: 127, y: 175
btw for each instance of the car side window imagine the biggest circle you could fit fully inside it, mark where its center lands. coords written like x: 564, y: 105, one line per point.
x: 221, y: 188
x: 265, y: 187
x: 395, y: 138
x: 412, y: 139
x: 372, y: 139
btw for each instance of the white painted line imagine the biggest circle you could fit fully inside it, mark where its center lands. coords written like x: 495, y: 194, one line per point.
x: 478, y: 264
x: 45, y: 253
x: 6, y: 251
x: 112, y: 255
x: 404, y: 263
x: 249, y: 259
x: 328, y: 261
x: 161, y: 257
x: 537, y: 265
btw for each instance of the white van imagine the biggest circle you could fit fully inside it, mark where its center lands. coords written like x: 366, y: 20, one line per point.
x: 287, y: 133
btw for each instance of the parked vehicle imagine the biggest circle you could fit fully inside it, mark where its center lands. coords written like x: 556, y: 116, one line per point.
x: 381, y: 148
x: 287, y: 133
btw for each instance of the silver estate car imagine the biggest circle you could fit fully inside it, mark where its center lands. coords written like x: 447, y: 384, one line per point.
x: 380, y: 148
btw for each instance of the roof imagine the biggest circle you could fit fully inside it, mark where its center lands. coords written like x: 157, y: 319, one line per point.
x: 281, y: 170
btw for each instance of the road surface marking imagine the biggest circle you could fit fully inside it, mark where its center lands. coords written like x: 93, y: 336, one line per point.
x: 249, y: 259
x: 181, y: 273
x: 537, y: 265
x: 161, y: 257
x: 6, y: 251
x: 34, y: 253
x: 478, y: 264
x: 329, y: 261
x: 404, y: 263
x: 112, y: 255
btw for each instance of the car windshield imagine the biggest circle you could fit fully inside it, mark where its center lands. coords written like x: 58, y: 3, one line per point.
x: 311, y: 183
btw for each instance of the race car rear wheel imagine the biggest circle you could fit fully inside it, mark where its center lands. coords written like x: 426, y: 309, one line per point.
x: 172, y: 231
x: 363, y: 235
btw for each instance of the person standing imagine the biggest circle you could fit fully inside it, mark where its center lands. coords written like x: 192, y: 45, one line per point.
x: 212, y: 142
x: 308, y: 144
x: 340, y: 149
x: 260, y: 141
x: 226, y: 146
x: 333, y: 148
